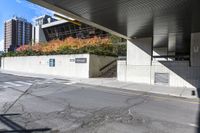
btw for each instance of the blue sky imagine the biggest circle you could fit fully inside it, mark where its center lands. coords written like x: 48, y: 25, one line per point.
x: 20, y: 8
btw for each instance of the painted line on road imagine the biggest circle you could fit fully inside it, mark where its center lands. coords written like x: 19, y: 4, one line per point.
x: 4, y: 86
x: 12, y: 84
x: 22, y: 82
x: 70, y: 83
x: 193, y: 125
x: 33, y: 81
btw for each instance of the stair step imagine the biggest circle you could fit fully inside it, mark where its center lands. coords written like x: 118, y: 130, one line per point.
x: 110, y: 73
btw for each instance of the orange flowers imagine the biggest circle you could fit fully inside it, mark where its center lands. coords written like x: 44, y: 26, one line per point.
x: 70, y: 42
x: 24, y: 48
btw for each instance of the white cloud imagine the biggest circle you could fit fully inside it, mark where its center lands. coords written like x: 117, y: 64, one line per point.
x: 2, y: 45
x: 19, y: 1
x: 38, y: 9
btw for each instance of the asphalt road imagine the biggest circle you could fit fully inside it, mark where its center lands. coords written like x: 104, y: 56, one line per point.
x: 70, y: 107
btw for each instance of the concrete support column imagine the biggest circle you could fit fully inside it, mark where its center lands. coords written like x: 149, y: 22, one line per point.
x: 38, y: 35
x: 139, y: 53
x: 139, y: 67
x: 160, y: 52
x: 195, y: 50
x: 160, y: 43
x: 172, y: 44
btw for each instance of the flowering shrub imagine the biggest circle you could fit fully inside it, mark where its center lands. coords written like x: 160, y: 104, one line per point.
x: 70, y: 45
x: 24, y: 48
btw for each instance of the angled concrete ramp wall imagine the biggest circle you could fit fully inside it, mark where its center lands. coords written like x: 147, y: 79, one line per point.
x: 140, y: 68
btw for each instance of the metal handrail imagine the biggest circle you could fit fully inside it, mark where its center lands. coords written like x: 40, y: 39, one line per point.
x: 107, y: 65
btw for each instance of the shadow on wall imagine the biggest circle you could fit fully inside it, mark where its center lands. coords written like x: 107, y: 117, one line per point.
x: 191, y: 75
x: 188, y: 73
x: 182, y: 69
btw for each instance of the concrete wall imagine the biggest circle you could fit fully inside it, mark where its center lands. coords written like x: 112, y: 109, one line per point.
x: 180, y: 73
x: 98, y: 62
x: 65, y: 65
x: 139, y: 67
x: 139, y: 60
x: 139, y: 51
x: 195, y: 49
x: 121, y: 70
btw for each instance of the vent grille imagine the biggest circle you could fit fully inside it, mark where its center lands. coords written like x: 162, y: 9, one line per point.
x: 161, y: 78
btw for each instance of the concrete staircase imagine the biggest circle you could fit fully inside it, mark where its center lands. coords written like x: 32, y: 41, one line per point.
x: 110, y: 73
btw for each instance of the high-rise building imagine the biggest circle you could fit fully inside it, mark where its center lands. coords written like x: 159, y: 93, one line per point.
x: 47, y: 28
x: 17, y: 32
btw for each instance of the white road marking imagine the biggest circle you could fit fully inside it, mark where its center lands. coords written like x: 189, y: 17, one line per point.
x: 70, y: 83
x: 30, y: 81
x: 4, y: 86
x: 192, y: 125
x: 22, y: 82
x: 33, y: 81
x: 12, y: 84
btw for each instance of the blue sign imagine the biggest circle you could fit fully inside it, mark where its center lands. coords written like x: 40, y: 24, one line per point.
x: 52, y: 62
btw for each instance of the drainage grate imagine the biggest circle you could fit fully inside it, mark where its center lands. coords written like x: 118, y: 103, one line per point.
x: 161, y: 78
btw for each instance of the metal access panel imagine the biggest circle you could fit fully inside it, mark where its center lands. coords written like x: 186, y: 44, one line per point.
x: 161, y: 78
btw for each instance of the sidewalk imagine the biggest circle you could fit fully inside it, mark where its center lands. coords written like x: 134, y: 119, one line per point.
x: 114, y: 83
x: 158, y: 89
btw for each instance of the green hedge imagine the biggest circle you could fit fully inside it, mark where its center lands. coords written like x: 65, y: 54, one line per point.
x: 110, y: 50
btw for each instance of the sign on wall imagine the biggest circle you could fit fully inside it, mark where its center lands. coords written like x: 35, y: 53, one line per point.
x: 52, y: 62
x: 80, y: 60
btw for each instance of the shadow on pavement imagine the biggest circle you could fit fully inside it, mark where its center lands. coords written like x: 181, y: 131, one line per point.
x: 15, y: 127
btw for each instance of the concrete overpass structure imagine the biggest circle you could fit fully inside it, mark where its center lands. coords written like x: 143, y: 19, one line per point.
x: 163, y: 36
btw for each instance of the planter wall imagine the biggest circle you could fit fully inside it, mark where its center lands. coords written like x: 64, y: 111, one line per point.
x: 77, y: 65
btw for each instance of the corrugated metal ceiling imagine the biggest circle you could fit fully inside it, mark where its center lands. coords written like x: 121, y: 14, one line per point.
x: 138, y: 18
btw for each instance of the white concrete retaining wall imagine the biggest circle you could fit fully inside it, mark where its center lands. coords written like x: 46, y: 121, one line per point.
x: 121, y: 70
x: 140, y: 68
x: 79, y: 65
x: 180, y: 73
